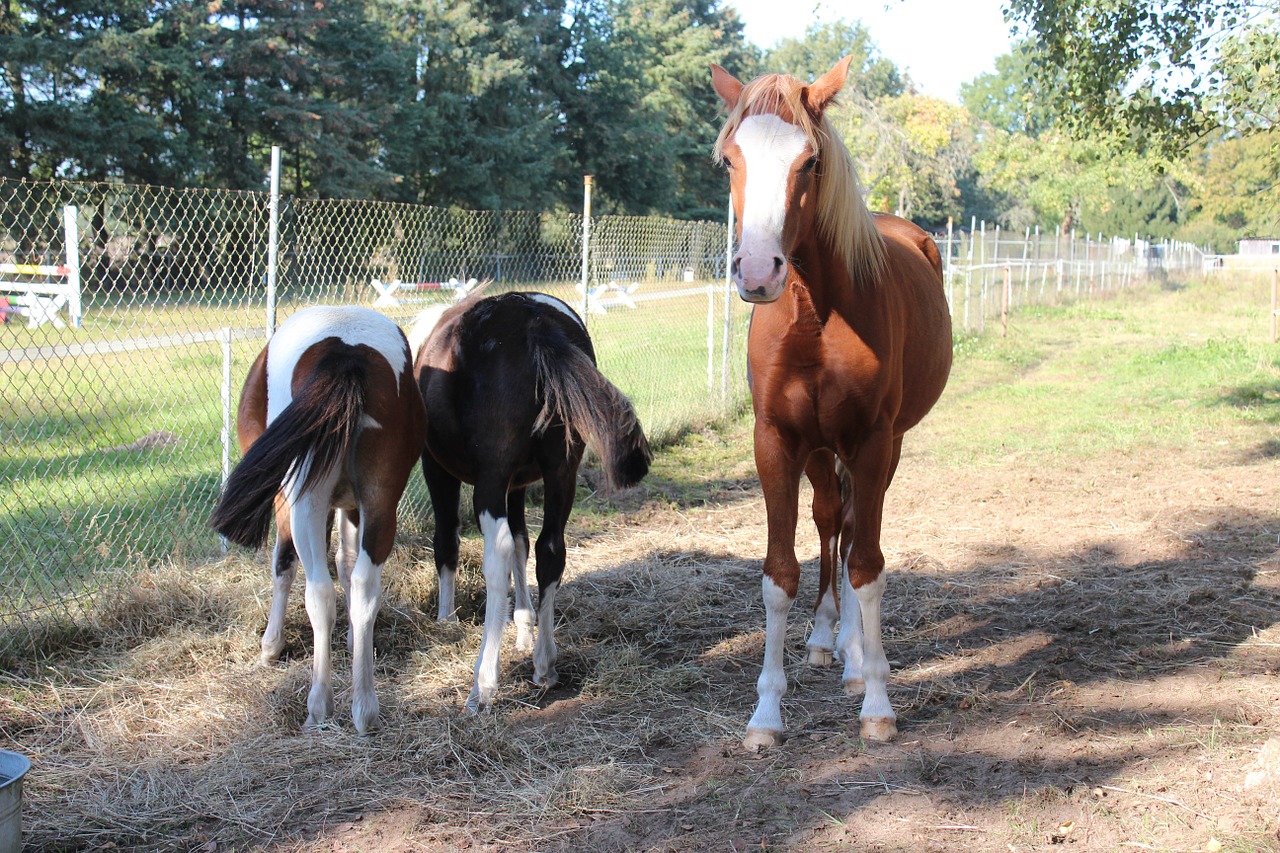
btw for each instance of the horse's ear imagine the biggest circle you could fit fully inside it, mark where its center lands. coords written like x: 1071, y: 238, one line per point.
x: 819, y: 94
x: 728, y: 87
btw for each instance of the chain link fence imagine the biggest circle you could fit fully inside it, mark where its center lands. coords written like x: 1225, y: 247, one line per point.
x: 118, y: 424
x: 119, y: 420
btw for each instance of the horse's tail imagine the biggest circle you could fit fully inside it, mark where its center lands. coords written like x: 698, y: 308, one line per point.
x: 578, y: 395
x: 317, y: 429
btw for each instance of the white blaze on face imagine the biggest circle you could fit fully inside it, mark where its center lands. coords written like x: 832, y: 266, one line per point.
x: 770, y: 147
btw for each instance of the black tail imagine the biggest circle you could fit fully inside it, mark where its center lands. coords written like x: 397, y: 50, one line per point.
x: 577, y: 393
x: 323, y: 420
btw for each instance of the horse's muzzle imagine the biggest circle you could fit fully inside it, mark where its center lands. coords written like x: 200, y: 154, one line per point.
x: 759, y: 278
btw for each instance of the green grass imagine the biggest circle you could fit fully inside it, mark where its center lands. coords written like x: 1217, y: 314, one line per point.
x: 80, y: 504
x: 1148, y: 372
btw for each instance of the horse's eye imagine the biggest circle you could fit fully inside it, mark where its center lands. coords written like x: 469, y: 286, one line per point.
x: 726, y: 164
x: 810, y: 164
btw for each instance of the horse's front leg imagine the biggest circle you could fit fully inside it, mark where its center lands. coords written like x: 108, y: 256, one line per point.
x: 827, y: 512
x: 346, y: 555
x: 779, y: 467
x: 861, y: 646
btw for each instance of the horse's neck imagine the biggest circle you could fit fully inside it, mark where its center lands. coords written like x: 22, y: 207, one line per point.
x: 824, y: 283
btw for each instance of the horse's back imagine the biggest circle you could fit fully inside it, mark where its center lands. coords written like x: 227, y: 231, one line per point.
x: 476, y: 373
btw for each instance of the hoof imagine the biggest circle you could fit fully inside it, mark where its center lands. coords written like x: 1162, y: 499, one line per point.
x: 476, y: 706
x: 547, y: 681
x: 759, y: 739
x: 880, y: 729
x: 819, y: 656
x: 854, y: 686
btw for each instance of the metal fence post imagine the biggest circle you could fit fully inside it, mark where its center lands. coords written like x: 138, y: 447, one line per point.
x: 273, y: 235
x: 71, y: 232
x: 586, y: 242
x: 224, y: 336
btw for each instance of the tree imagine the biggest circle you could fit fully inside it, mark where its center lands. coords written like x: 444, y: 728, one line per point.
x: 39, y: 115
x: 1239, y: 183
x: 1148, y: 68
x: 1007, y: 98
x: 912, y: 150
x: 823, y: 45
x: 646, y: 117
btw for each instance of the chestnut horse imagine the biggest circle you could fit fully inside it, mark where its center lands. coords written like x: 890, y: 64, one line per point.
x: 329, y: 418
x: 849, y: 347
x: 513, y: 396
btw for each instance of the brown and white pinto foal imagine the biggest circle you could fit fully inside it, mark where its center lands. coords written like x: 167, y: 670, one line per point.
x: 330, y: 418
x: 513, y: 397
x: 850, y: 346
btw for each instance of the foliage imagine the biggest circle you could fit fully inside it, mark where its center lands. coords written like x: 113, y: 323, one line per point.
x: 1145, y: 68
x: 1009, y: 97
x: 913, y: 150
x: 642, y: 114
x: 823, y: 45
x: 1240, y: 188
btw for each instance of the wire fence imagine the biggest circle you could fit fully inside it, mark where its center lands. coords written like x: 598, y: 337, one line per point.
x: 117, y: 428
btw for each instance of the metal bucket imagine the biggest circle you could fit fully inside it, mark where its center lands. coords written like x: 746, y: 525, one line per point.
x: 13, y: 768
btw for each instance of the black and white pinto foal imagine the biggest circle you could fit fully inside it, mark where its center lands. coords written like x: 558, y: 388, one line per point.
x: 330, y: 418
x: 513, y: 395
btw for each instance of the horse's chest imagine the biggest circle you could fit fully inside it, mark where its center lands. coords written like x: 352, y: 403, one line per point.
x: 818, y: 388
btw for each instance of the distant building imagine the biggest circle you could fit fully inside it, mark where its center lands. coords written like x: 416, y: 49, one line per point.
x: 1259, y: 246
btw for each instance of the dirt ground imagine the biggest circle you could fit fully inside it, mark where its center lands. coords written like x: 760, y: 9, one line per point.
x: 1084, y: 657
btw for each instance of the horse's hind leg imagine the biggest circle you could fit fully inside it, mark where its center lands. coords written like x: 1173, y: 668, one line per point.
x: 364, y: 598
x: 309, y: 517
x: 560, y: 487
x: 499, y: 559
x: 827, y: 513
x: 523, y: 611
x: 284, y: 565
x: 444, y: 489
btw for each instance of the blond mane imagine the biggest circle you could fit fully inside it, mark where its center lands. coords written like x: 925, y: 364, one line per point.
x: 843, y: 218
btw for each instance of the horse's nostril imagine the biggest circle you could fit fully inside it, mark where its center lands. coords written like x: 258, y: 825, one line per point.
x: 737, y: 263
x: 777, y: 263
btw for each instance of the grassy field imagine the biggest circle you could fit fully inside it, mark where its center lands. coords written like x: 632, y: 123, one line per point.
x: 1083, y: 618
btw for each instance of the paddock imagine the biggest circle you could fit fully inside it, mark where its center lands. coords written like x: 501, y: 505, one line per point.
x: 1083, y: 624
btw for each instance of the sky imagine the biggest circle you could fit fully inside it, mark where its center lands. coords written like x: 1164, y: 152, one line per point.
x: 939, y: 43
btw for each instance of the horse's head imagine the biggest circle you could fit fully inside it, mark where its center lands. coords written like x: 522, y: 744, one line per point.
x: 773, y: 147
